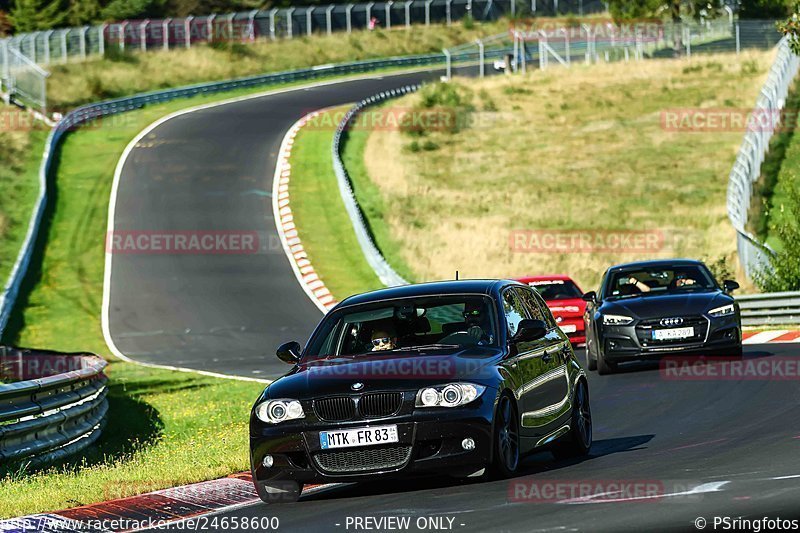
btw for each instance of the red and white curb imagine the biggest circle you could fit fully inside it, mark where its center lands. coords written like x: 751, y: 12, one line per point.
x: 773, y: 336
x: 287, y: 231
x: 151, y: 510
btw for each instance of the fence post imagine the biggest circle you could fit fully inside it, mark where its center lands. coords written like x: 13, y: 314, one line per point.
x: 272, y: 13
x: 513, y: 7
x: 84, y: 31
x: 369, y: 12
x: 165, y: 33
x: 47, y: 35
x: 143, y: 35
x: 566, y: 46
x: 187, y: 27
x: 6, y: 72
x: 349, y: 17
x: 738, y: 41
x: 309, y: 11
x: 210, y: 27
x: 428, y: 12
x: 33, y: 46
x: 388, y: 9
x: 480, y: 52
x: 408, y: 13
x: 251, y: 22
x: 328, y: 20
x: 447, y: 11
x: 101, y: 39
x: 689, y: 42
x: 289, y: 29
x: 64, y: 45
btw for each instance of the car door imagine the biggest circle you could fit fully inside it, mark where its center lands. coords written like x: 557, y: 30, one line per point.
x: 550, y: 398
x: 525, y: 362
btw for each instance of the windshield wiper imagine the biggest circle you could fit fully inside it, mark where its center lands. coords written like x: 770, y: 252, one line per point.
x: 430, y: 346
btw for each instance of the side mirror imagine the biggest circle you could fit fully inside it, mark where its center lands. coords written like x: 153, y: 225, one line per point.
x: 590, y: 296
x: 289, y: 352
x: 530, y: 330
x: 729, y: 285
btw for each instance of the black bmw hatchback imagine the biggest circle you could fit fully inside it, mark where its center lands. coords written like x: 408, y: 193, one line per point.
x: 461, y: 378
x: 650, y: 309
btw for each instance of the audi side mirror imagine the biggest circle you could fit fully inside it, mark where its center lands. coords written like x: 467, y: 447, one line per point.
x: 729, y: 285
x: 590, y: 296
x: 530, y: 330
x: 289, y: 352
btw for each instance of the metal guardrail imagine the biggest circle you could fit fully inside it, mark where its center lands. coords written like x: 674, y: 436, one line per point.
x: 765, y: 119
x: 776, y: 308
x: 55, y: 405
x: 98, y: 110
x: 379, y: 265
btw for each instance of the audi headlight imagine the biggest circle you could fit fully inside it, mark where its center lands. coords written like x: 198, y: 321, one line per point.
x: 725, y: 310
x: 450, y: 395
x: 275, y: 411
x: 616, y: 320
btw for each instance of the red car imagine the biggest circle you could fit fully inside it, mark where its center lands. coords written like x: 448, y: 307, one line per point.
x: 563, y: 297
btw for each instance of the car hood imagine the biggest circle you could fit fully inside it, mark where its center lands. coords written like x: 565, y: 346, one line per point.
x: 572, y: 307
x: 667, y: 305
x: 391, y: 371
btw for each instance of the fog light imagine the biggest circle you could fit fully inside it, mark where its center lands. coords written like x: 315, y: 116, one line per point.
x: 468, y: 444
x: 267, y: 461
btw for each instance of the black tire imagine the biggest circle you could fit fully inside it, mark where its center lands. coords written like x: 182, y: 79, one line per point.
x: 578, y: 441
x: 505, y: 460
x: 591, y: 364
x: 279, y: 491
x: 604, y: 367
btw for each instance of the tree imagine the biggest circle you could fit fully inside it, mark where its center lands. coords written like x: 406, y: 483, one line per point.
x: 791, y: 27
x: 784, y: 273
x: 764, y: 9
x: 83, y: 12
x: 33, y: 15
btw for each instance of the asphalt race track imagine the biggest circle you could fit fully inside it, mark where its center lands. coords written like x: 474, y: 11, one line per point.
x: 703, y: 448
x: 666, y: 451
x: 212, y: 171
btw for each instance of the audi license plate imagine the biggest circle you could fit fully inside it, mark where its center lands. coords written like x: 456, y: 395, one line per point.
x: 357, y: 437
x: 672, y: 334
x: 569, y: 328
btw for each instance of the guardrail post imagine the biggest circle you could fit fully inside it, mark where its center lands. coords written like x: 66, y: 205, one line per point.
x: 272, y: 13
x: 309, y: 11
x: 328, y: 22
x: 187, y: 29
x: 482, y: 58
x: 289, y: 13
x: 449, y: 64
x: 428, y: 12
x: 408, y: 13
x: 388, y: 10
x: 143, y: 35
x: 165, y: 33
x: 349, y: 17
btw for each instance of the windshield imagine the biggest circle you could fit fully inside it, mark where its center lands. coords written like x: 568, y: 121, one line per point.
x: 556, y: 289
x: 647, y: 281
x: 432, y: 323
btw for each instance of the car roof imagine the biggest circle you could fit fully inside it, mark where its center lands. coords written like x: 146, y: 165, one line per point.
x: 434, y: 288
x: 658, y: 263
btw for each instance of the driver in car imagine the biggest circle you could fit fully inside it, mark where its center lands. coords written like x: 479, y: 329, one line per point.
x: 383, y: 339
x: 682, y: 279
x: 473, y: 324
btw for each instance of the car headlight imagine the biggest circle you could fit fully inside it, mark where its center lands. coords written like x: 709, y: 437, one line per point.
x: 275, y: 411
x: 616, y: 320
x: 725, y: 310
x: 450, y: 395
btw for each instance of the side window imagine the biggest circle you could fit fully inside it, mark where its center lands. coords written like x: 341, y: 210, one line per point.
x: 531, y: 304
x: 514, y: 311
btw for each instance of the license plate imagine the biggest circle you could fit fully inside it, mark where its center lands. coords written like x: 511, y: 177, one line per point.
x: 670, y: 334
x: 357, y: 437
x: 569, y: 328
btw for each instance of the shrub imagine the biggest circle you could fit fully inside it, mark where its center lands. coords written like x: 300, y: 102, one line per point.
x: 784, y: 273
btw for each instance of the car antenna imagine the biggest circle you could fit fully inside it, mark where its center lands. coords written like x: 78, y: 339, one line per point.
x: 456, y: 275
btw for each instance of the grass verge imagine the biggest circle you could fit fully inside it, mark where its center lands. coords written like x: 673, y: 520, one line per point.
x: 320, y: 216
x: 567, y: 149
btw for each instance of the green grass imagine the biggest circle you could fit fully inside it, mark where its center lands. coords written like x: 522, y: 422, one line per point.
x: 320, y: 216
x: 20, y: 156
x: 372, y: 203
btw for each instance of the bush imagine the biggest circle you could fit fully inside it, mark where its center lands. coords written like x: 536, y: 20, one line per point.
x: 118, y: 55
x: 784, y: 274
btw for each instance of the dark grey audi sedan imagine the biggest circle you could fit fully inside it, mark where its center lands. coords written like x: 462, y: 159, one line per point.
x: 461, y: 378
x: 650, y: 309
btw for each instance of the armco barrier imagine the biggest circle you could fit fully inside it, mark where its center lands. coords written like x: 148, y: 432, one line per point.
x: 54, y: 405
x: 382, y: 269
x: 91, y: 112
x: 777, y: 308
